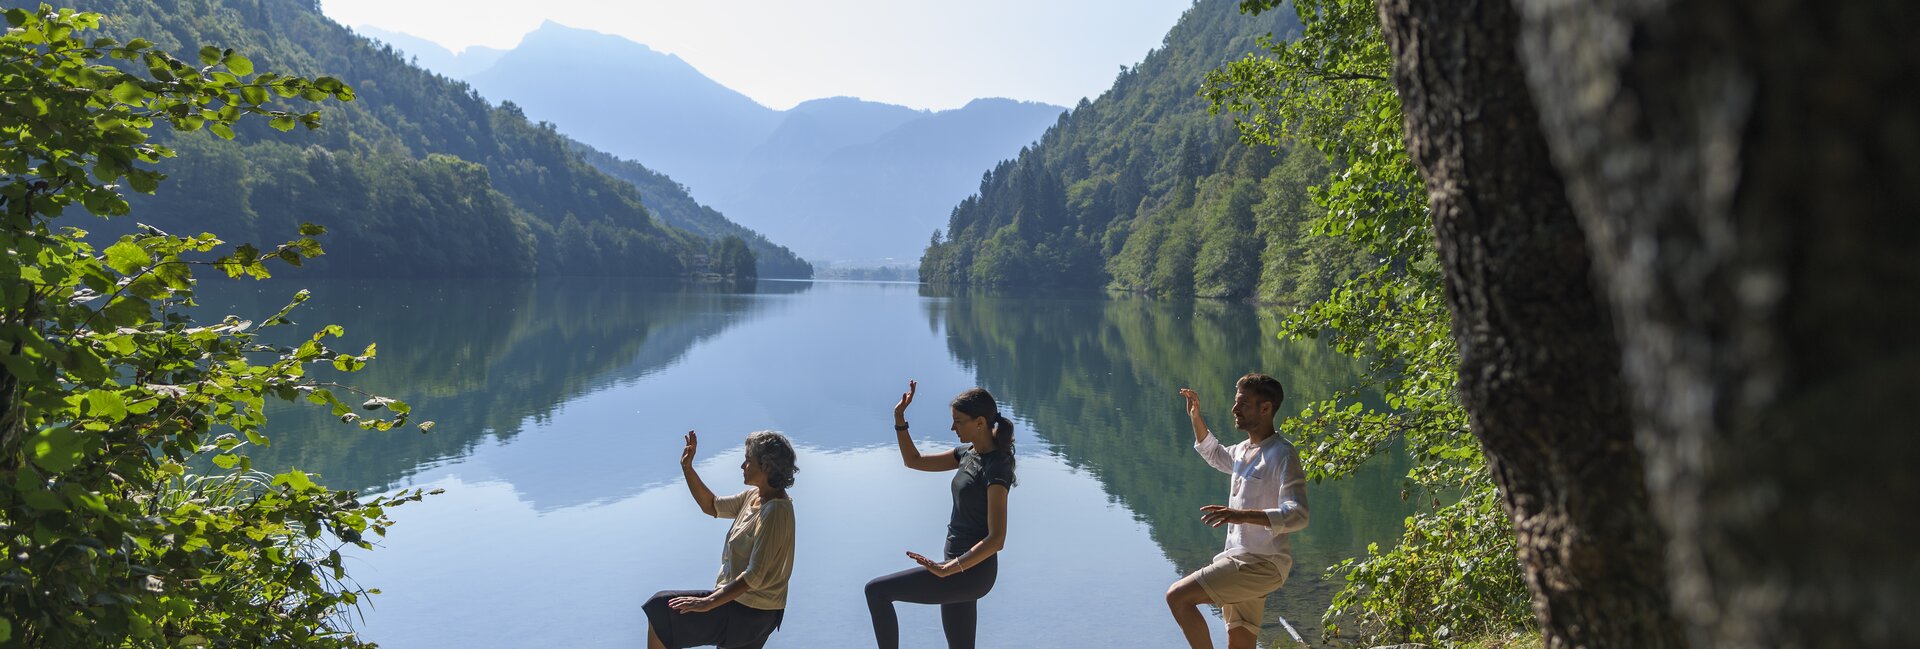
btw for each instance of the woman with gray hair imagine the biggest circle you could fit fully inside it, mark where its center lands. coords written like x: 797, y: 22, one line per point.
x: 749, y: 596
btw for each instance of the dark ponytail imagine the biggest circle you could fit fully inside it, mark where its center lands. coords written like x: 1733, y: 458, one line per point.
x: 1003, y: 433
x: 977, y: 402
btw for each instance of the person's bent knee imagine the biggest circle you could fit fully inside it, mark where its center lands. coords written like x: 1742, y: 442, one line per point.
x: 658, y: 602
x: 877, y: 590
x: 1182, y: 595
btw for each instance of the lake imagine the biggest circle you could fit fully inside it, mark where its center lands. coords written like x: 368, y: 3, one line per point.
x: 561, y: 404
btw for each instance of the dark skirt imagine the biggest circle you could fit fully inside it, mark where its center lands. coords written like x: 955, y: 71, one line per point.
x: 731, y: 626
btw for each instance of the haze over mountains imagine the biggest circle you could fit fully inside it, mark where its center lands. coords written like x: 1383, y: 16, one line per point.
x: 835, y: 179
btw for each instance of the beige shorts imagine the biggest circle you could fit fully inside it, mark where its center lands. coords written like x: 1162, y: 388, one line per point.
x: 1239, y: 586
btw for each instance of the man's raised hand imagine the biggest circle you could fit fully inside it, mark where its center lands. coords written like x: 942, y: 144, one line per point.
x: 1193, y: 402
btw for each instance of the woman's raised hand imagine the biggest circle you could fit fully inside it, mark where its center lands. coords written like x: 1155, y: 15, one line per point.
x: 693, y: 444
x: 906, y: 399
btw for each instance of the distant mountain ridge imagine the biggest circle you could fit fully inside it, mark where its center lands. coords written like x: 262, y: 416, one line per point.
x: 834, y: 178
x: 418, y: 176
x: 431, y: 56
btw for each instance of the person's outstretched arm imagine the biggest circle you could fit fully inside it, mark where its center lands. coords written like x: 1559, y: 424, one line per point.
x: 701, y: 494
x: 1204, y: 442
x: 942, y: 461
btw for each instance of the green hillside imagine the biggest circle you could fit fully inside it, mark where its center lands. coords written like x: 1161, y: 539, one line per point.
x: 1143, y: 190
x: 419, y: 176
x: 670, y: 201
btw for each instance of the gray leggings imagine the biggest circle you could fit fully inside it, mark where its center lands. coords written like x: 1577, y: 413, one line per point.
x: 958, y: 597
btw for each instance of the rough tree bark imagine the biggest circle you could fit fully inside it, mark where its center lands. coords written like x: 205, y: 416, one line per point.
x: 1540, y: 364
x: 1748, y: 172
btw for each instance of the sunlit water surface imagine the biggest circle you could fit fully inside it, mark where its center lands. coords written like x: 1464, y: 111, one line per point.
x: 560, y: 406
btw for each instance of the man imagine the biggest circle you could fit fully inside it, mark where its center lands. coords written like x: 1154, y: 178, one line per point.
x: 1266, y: 501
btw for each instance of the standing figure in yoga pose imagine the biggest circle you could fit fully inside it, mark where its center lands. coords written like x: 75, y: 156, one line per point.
x: 1266, y: 501
x: 976, y: 531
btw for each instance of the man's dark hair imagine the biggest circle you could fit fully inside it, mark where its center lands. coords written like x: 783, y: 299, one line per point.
x: 1264, y: 388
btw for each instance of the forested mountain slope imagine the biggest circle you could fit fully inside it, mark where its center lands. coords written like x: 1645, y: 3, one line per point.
x: 1143, y: 190
x: 673, y: 203
x: 418, y: 176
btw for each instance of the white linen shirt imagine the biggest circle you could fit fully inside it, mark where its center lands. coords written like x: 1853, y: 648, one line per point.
x: 1266, y: 476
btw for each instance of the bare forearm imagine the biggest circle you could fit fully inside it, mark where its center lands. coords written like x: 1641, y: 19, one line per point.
x: 701, y: 494
x: 909, y: 454
x: 979, y: 552
x: 732, y: 591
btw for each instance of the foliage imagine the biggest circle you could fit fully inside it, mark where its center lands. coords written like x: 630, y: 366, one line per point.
x: 108, y: 390
x: 423, y: 177
x: 732, y: 258
x: 1455, y: 571
x: 1143, y: 190
x: 672, y: 202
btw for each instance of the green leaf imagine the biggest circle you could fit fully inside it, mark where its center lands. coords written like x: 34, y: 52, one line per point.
x: 127, y: 257
x: 282, y: 123
x: 144, y: 181
x: 226, y: 460
x: 221, y: 129
x: 106, y: 403
x: 239, y: 64
x: 294, y: 479
x: 209, y: 55
x: 256, y: 95
x: 126, y: 311
x: 41, y: 498
x: 56, y: 448
x: 128, y: 92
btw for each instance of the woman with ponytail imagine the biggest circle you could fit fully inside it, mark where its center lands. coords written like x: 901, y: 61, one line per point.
x: 976, y: 531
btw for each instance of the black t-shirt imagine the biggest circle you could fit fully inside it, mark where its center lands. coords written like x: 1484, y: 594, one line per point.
x: 968, y: 525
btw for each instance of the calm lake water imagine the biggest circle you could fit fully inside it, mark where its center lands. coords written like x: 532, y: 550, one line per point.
x: 561, y: 404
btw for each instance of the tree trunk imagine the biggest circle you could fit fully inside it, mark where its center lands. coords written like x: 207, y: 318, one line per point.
x: 1540, y: 364
x: 1747, y: 173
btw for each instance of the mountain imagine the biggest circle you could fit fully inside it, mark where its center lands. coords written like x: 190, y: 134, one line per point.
x: 874, y: 197
x: 430, y: 55
x: 810, y: 131
x: 671, y: 202
x: 835, y: 178
x: 1142, y: 190
x: 629, y: 100
x: 418, y: 176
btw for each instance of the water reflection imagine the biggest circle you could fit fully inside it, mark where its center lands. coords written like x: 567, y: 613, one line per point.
x: 561, y: 404
x: 482, y: 358
x: 1097, y: 379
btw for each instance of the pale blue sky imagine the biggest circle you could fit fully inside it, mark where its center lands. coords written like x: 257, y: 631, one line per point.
x: 919, y: 53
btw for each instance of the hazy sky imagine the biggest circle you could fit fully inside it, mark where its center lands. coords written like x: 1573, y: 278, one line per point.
x: 919, y: 53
